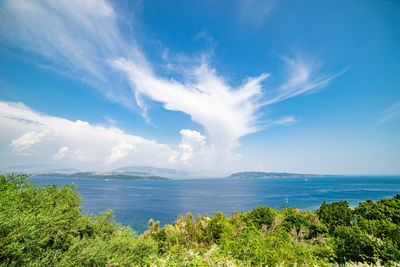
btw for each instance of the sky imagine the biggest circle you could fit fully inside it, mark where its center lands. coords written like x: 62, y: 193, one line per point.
x: 206, y: 86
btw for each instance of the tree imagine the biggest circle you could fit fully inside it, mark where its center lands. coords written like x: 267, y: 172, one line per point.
x: 335, y: 214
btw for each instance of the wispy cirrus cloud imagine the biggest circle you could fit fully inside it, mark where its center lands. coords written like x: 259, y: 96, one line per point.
x: 303, y: 77
x: 74, y: 37
x: 226, y: 112
x: 83, y: 38
x: 253, y: 11
x: 390, y: 113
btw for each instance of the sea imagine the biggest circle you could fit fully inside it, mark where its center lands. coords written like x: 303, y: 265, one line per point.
x: 134, y: 202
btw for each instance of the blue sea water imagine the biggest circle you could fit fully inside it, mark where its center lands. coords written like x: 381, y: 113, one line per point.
x: 135, y: 202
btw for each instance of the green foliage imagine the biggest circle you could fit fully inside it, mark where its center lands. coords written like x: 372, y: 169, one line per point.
x: 44, y: 226
x: 219, y: 225
x: 335, y: 214
x: 389, y: 209
x: 261, y: 216
x: 380, y: 221
x: 293, y: 219
x: 368, y: 233
x: 351, y: 244
x: 317, y: 230
x: 270, y: 248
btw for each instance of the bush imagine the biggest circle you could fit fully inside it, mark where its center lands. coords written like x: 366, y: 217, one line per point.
x: 261, y: 216
x: 294, y: 220
x: 44, y: 226
x: 388, y: 209
x: 335, y: 214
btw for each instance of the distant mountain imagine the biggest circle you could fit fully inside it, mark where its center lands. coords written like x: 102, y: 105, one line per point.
x: 129, y: 171
x: 147, y: 170
x: 37, y: 168
x: 63, y: 170
x: 249, y: 174
x: 103, y: 175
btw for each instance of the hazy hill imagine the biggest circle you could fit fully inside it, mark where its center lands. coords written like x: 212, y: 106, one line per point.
x: 38, y: 168
x: 104, y: 175
x: 147, y: 170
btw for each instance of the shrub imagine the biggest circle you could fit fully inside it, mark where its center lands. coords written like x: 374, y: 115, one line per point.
x: 295, y: 220
x: 261, y: 216
x: 388, y: 209
x: 44, y: 226
x: 335, y: 214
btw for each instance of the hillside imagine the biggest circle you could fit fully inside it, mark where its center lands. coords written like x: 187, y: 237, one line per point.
x: 153, y: 171
x: 104, y: 175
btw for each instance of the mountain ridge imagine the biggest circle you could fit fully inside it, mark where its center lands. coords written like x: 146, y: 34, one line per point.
x: 103, y: 175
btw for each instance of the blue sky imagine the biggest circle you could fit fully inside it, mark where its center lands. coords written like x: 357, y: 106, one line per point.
x: 310, y: 86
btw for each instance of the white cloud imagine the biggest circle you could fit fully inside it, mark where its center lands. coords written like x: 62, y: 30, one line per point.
x: 192, y: 143
x: 303, y: 76
x: 226, y: 113
x: 27, y: 140
x: 110, y: 120
x: 62, y: 152
x: 73, y: 142
x: 81, y: 156
x: 82, y: 38
x: 82, y: 145
x: 192, y: 138
x: 391, y: 113
x: 285, y: 121
x: 75, y: 37
x: 119, y: 151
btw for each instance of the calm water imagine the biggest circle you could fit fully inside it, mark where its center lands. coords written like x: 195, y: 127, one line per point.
x: 135, y: 202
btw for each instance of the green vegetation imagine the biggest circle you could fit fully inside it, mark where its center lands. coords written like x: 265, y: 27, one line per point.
x: 44, y: 226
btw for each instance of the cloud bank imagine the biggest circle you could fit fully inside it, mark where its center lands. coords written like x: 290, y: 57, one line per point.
x: 32, y: 138
x: 73, y: 143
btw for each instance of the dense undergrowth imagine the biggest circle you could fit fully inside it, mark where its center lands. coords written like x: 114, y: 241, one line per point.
x: 44, y: 226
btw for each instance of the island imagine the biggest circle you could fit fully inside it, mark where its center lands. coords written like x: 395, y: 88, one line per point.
x: 103, y: 175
